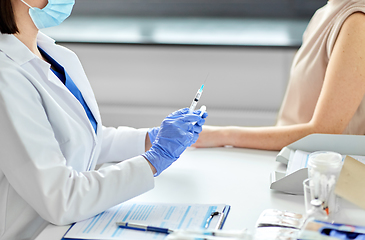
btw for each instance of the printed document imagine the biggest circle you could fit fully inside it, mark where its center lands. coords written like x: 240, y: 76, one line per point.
x: 173, y: 216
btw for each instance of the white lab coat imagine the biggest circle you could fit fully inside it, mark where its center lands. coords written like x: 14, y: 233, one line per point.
x: 48, y: 148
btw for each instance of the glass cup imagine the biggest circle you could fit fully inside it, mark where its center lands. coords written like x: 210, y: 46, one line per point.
x: 308, y: 196
x: 313, y: 206
x: 323, y: 170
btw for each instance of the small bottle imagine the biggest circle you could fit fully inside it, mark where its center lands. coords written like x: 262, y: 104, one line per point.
x: 317, y: 212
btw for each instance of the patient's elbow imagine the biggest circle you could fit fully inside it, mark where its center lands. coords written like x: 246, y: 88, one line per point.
x: 333, y: 127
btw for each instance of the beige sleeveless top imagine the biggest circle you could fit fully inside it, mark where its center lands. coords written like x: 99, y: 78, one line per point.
x: 310, y: 63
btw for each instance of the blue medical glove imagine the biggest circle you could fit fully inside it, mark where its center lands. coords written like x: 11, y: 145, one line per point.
x: 152, y: 133
x: 178, y: 131
x: 198, y: 125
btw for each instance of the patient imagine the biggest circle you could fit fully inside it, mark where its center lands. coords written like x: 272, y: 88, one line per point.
x: 326, y: 86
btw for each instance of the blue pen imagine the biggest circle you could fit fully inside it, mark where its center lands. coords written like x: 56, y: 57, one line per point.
x: 142, y: 227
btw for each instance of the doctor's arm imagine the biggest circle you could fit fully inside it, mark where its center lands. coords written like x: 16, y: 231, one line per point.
x: 342, y: 92
x: 35, y: 167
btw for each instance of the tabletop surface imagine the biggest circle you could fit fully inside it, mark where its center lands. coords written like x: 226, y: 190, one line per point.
x: 233, y: 176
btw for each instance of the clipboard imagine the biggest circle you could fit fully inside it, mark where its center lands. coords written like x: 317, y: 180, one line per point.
x: 173, y: 216
x: 217, y: 219
x: 341, y: 143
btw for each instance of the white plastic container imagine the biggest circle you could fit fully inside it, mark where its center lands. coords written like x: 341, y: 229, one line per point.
x: 327, y: 163
x: 323, y: 170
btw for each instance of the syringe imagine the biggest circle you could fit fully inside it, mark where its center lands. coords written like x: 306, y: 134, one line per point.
x: 196, y: 99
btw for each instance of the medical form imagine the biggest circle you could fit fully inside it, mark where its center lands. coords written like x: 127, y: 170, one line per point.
x: 174, y: 216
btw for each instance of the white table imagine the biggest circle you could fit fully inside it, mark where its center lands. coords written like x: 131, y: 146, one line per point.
x: 237, y: 177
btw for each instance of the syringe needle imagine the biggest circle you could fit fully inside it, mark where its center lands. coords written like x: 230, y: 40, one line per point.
x: 206, y: 79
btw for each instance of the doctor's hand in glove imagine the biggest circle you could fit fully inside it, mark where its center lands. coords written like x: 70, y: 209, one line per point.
x: 178, y: 131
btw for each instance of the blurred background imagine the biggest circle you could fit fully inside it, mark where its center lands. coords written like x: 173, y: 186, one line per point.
x: 200, y: 8
x: 147, y: 58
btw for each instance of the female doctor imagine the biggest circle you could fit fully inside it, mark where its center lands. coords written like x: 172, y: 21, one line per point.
x: 52, y: 135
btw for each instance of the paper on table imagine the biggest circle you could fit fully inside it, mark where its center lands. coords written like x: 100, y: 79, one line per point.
x: 297, y: 161
x: 351, y: 182
x: 173, y: 216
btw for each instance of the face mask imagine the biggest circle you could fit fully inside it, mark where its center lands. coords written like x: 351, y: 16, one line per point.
x: 51, y: 15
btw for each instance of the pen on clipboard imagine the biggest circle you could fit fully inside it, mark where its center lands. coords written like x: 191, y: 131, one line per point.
x: 143, y: 227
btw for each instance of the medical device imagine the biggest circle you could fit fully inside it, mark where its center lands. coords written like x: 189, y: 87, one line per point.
x: 196, y: 99
x: 203, y: 109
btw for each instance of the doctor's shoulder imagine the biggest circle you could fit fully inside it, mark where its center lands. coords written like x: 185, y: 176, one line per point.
x: 13, y: 76
x: 8, y: 66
